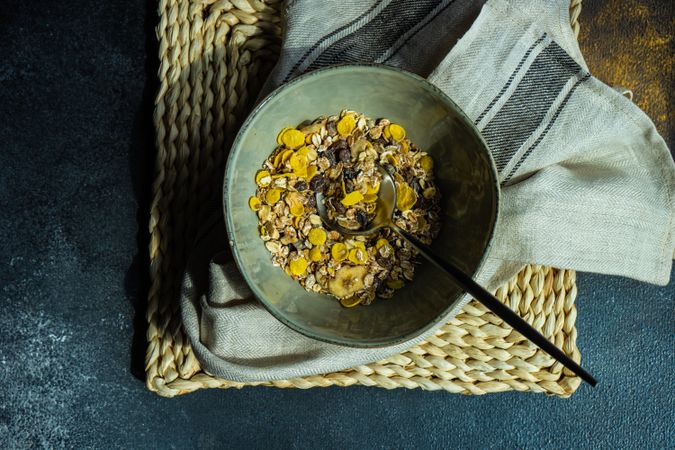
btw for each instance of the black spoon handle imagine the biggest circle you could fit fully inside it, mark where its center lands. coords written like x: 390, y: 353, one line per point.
x: 497, y: 307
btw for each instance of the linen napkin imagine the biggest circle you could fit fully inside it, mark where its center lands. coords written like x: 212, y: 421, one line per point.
x: 587, y: 182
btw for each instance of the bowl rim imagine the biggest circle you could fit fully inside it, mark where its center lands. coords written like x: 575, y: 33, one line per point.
x: 229, y: 220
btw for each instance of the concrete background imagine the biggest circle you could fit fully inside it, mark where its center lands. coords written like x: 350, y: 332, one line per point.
x: 76, y: 86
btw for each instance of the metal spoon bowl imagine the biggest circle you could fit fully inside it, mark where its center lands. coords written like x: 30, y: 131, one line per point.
x: 384, y: 212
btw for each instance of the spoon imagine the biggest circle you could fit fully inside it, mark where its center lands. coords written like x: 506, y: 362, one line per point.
x: 384, y: 212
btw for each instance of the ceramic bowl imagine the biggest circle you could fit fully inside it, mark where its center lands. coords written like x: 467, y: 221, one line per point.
x: 465, y: 174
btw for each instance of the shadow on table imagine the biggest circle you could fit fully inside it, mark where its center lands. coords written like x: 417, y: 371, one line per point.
x: 137, y: 280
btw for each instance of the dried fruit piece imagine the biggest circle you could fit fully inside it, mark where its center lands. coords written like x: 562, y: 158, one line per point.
x: 292, y: 138
x: 317, y: 236
x: 346, y: 125
x: 427, y: 163
x: 339, y: 252
x: 352, y: 198
x: 254, y: 203
x: 297, y: 265
x: 273, y: 196
x: 348, y: 281
x: 263, y: 178
x: 315, y: 254
x: 318, y: 184
x: 405, y: 197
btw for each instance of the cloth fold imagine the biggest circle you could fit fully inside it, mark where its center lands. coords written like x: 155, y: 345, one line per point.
x: 587, y: 182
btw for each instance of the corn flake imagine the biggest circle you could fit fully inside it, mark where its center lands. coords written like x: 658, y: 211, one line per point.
x: 346, y: 125
x: 317, y: 236
x: 339, y: 252
x: 297, y: 209
x: 298, y: 265
x: 405, y: 197
x: 350, y: 302
x: 427, y: 163
x: 358, y: 256
x: 352, y: 198
x: 281, y: 133
x: 292, y: 138
x: 381, y: 243
x: 315, y: 254
x: 273, y: 196
x: 254, y: 203
x: 263, y: 178
x: 397, y: 132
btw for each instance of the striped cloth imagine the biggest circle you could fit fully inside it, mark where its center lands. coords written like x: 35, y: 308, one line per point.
x: 587, y: 182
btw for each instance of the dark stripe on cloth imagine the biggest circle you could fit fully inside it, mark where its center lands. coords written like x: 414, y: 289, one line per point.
x: 419, y: 27
x: 325, y: 38
x: 548, y: 127
x: 510, y: 80
x: 377, y: 36
x: 525, y: 109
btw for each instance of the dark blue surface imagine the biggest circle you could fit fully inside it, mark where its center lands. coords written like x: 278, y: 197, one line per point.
x: 75, y: 132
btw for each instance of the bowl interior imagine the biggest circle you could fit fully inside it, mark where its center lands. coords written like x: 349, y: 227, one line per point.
x: 464, y: 172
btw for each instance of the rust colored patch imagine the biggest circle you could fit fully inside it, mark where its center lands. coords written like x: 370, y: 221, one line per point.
x: 629, y: 43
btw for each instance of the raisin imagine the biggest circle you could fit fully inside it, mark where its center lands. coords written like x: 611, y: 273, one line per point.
x: 337, y: 206
x: 339, y: 145
x: 344, y: 155
x: 330, y: 155
x: 301, y: 186
x: 349, y: 173
x: 318, y: 184
x: 362, y: 218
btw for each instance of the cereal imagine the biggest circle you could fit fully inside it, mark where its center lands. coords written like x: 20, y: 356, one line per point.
x: 273, y: 196
x: 337, y: 156
x: 352, y: 198
x: 339, y: 252
x: 316, y: 236
x: 254, y: 203
x: 297, y: 265
x: 262, y: 178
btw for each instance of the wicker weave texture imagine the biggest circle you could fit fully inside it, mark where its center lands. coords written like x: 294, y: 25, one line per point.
x: 211, y: 54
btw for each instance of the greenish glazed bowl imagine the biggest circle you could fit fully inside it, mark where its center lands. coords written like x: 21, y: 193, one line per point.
x: 464, y: 171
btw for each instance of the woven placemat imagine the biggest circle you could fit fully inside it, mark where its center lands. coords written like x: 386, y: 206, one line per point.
x: 211, y: 54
